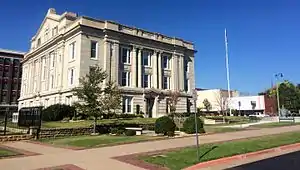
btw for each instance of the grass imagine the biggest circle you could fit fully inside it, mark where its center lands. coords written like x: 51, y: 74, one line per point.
x: 5, y: 153
x: 275, y: 124
x: 88, y: 123
x: 186, y: 157
x: 217, y: 129
x: 96, y: 141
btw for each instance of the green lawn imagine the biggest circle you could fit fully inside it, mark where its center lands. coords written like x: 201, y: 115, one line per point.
x: 87, y: 123
x: 275, y: 124
x: 217, y: 129
x: 97, y: 141
x: 5, y: 153
x: 187, y: 156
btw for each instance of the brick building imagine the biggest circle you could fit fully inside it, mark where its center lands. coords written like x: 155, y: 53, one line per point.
x: 10, y: 78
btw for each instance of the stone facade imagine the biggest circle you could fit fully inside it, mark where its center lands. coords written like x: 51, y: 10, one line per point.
x: 15, y: 138
x: 146, y: 65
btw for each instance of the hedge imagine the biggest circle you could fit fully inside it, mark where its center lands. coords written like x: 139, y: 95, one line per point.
x: 106, y: 128
x: 189, y: 125
x: 57, y: 112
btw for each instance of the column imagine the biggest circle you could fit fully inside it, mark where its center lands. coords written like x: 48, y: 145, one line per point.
x: 140, y: 68
x: 106, y: 61
x: 160, y: 78
x: 181, y: 72
x: 154, y: 82
x: 174, y: 74
x: 115, y: 66
x: 133, y: 67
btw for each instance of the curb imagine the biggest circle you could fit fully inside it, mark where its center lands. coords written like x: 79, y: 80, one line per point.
x: 242, y: 156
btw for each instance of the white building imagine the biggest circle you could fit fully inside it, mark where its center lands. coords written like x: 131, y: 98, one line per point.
x: 146, y: 65
x: 248, y: 104
x: 216, y: 97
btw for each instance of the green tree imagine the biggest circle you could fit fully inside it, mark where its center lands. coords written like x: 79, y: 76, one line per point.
x: 172, y: 102
x: 95, y: 97
x: 207, y: 105
x: 289, y: 95
x: 113, y: 98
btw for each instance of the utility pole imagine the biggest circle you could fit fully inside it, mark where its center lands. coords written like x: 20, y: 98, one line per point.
x: 227, y: 68
x: 277, y: 76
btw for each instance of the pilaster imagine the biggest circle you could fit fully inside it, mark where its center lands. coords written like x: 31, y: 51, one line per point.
x: 159, y: 71
x: 154, y: 70
x: 140, y: 66
x: 174, y: 74
x: 115, y: 64
x: 133, y: 67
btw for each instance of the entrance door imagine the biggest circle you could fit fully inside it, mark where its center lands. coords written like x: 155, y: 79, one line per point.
x: 149, y: 106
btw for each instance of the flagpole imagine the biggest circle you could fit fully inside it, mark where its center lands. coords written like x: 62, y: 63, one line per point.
x: 227, y: 69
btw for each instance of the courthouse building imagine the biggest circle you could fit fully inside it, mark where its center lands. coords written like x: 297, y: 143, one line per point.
x: 146, y: 65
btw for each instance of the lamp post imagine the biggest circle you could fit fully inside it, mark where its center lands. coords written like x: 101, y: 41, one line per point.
x: 196, y: 124
x: 278, y: 76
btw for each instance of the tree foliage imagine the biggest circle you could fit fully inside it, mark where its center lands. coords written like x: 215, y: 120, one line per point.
x: 172, y: 102
x: 207, y: 105
x: 95, y: 97
x: 289, y: 95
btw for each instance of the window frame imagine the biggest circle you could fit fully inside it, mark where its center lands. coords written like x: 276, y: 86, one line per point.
x: 149, y: 57
x: 71, y: 76
x: 168, y: 82
x: 128, y: 51
x: 168, y: 62
x: 127, y: 79
x: 96, y: 49
x: 72, y: 50
x: 127, y: 102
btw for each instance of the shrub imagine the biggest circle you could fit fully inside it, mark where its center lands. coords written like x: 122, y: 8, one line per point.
x: 189, y: 125
x: 171, y: 133
x: 130, y: 132
x: 163, y: 125
x: 117, y: 130
x: 57, y: 112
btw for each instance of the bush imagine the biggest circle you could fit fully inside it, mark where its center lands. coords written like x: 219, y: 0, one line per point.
x: 107, y: 127
x: 163, y: 125
x: 171, y: 133
x: 130, y: 132
x: 57, y: 112
x: 121, y: 116
x: 189, y: 125
x: 117, y: 130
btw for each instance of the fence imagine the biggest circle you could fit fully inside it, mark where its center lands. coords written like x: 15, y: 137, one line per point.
x: 9, y: 123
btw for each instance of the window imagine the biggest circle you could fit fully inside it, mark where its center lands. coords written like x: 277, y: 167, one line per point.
x: 1, y: 60
x: 5, y: 84
x: 146, y: 58
x: 186, y: 65
x: 54, y: 31
x: 16, y: 62
x: 125, y: 78
x: 166, y: 82
x: 147, y: 81
x: 44, y: 71
x: 125, y: 55
x: 94, y: 49
x: 39, y: 42
x: 127, y: 102
x: 72, y: 51
x: 71, y: 76
x: 14, y: 96
x: 166, y: 62
x: 186, y: 85
x: 7, y: 61
x: 4, y: 96
x: 6, y: 71
x: 52, y: 81
x: 16, y: 72
x: 52, y: 56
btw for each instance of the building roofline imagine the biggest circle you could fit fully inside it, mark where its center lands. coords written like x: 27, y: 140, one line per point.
x: 12, y: 52
x: 133, y: 27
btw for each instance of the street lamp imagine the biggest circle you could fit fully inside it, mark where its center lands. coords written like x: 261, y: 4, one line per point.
x: 196, y: 123
x: 278, y: 76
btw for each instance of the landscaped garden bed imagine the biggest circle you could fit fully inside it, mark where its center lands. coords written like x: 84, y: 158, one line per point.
x: 97, y: 141
x: 187, y: 156
x: 4, y: 153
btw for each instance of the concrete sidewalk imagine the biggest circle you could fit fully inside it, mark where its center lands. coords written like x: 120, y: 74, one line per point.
x: 100, y: 158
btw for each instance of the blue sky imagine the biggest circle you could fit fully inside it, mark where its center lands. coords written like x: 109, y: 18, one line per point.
x: 263, y: 36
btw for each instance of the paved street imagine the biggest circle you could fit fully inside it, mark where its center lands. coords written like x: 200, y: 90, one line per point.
x: 100, y: 158
x: 290, y: 161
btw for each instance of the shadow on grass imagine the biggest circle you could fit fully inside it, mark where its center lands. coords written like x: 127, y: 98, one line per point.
x: 208, y: 151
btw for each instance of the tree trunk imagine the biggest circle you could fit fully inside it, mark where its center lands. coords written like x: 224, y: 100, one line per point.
x: 95, y: 123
